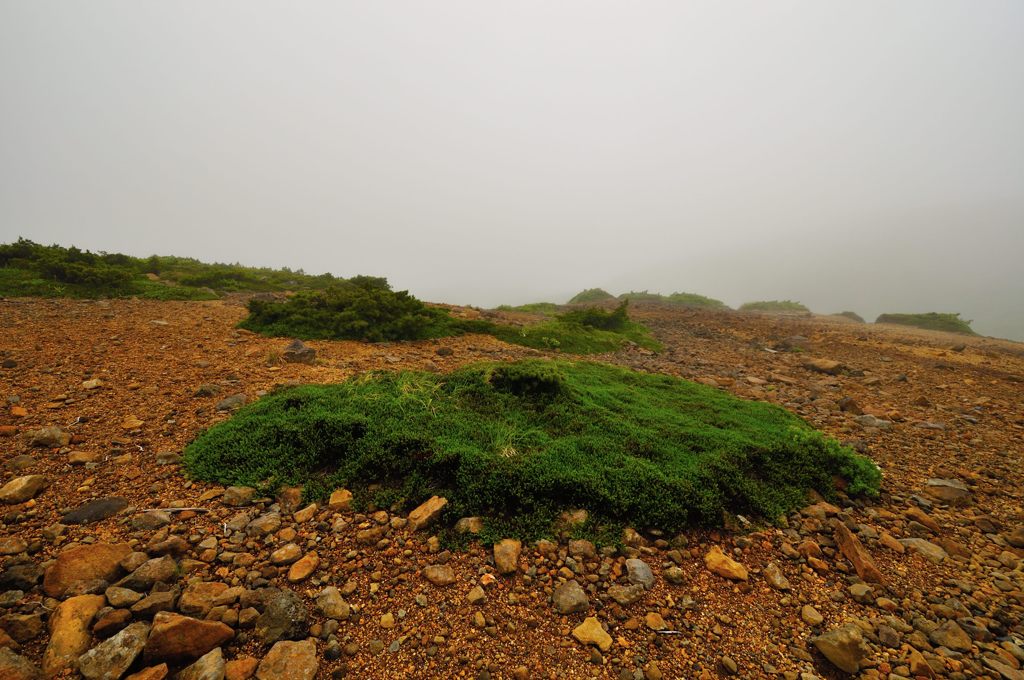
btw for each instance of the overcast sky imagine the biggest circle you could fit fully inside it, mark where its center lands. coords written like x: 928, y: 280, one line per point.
x: 854, y: 155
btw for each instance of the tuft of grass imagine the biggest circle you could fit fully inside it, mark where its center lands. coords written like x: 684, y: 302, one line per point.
x: 785, y: 306
x: 590, y: 296
x: 518, y: 442
x: 935, y: 321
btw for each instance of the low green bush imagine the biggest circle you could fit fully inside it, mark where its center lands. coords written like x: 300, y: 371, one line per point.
x: 853, y: 316
x: 520, y: 441
x: 787, y: 306
x: 935, y: 321
x: 591, y: 295
x: 695, y: 300
x: 546, y: 308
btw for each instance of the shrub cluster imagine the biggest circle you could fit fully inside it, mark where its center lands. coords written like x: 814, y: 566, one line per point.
x: 935, y: 321
x: 787, y: 306
x: 31, y: 269
x: 527, y: 439
x: 591, y: 295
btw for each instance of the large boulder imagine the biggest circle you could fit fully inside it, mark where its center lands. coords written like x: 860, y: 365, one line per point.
x: 843, y: 647
x: 176, y: 638
x: 69, y: 632
x: 80, y: 563
x: 21, y: 489
x: 289, y: 661
x: 112, y: 658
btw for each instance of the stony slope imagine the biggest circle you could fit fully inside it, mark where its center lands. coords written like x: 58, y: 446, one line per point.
x: 925, y: 582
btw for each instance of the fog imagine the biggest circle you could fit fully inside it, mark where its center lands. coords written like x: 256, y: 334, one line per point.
x: 865, y: 156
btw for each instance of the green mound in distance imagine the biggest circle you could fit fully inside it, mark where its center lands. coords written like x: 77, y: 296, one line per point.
x: 934, y: 321
x: 520, y: 441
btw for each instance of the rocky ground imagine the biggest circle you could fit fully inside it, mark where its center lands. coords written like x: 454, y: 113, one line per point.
x: 115, y: 565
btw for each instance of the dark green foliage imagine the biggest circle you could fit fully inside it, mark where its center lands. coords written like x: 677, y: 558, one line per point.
x: 853, y: 316
x: 787, y: 306
x: 681, y: 299
x: 591, y: 295
x: 519, y: 441
x: 546, y: 308
x: 695, y: 300
x: 936, y: 321
x: 31, y: 269
x: 361, y: 308
x: 601, y: 319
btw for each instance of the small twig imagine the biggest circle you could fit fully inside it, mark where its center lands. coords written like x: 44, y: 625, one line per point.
x: 669, y: 632
x: 172, y: 509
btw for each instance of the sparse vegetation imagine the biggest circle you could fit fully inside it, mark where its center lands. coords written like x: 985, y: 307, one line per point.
x: 31, y: 269
x: 935, y: 321
x: 590, y: 296
x: 853, y: 316
x: 546, y: 308
x: 520, y: 441
x: 695, y: 300
x: 778, y: 306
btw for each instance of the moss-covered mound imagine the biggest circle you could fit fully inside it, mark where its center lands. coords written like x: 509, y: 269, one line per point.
x: 520, y: 441
x: 934, y: 321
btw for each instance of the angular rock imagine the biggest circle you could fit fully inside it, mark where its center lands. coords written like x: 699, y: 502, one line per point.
x: 590, y: 632
x: 843, y: 647
x: 340, y: 500
x: 427, y: 513
x: 289, y: 661
x: 506, y: 555
x: 569, y: 597
x: 21, y: 489
x: 51, y: 437
x: 827, y: 366
x: 626, y: 595
x: 151, y: 673
x: 332, y: 605
x: 241, y: 668
x: 951, y: 491
x: 95, y: 510
x: 84, y: 563
x: 854, y: 550
x: 157, y: 570
x: 298, y: 352
x: 198, y: 598
x: 439, y: 574
x: 235, y: 401
x: 719, y: 563
x: 929, y: 550
x: 286, y: 554
x: 238, y: 496
x: 13, y: 666
x: 69, y: 632
x: 284, y: 616
x: 209, y: 666
x: 304, y: 568
x: 176, y: 638
x: 639, y: 573
x: 1016, y: 537
x: 775, y: 578
x: 950, y: 635
x: 111, y: 658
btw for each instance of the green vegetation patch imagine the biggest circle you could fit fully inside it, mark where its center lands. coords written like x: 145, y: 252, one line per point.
x: 853, y: 316
x: 28, y: 269
x: 546, y: 308
x: 695, y: 300
x: 787, y: 306
x: 935, y: 321
x: 520, y: 441
x: 590, y: 296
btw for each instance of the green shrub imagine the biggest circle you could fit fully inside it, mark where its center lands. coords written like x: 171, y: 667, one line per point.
x: 591, y: 295
x: 361, y: 308
x: 547, y: 308
x: 695, y: 300
x: 787, y: 306
x: 601, y: 319
x: 935, y: 321
x: 853, y: 316
x: 642, y: 296
x: 521, y: 441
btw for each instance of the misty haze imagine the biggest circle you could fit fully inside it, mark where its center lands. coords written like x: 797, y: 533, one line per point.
x: 533, y: 340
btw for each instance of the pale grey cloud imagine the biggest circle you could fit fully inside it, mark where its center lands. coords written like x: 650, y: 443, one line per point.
x: 861, y: 155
